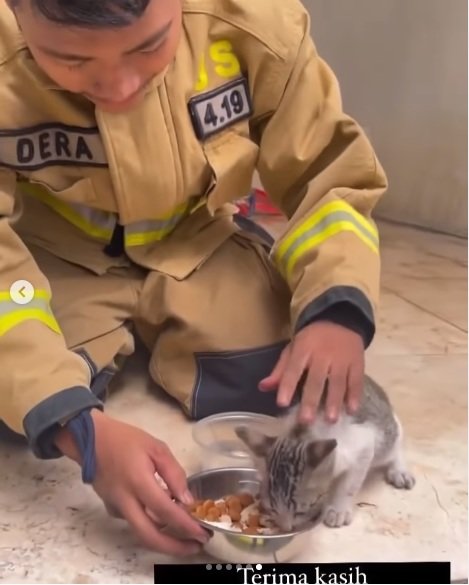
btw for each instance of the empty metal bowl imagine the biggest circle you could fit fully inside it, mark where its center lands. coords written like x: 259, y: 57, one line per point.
x: 230, y: 546
x: 220, y: 446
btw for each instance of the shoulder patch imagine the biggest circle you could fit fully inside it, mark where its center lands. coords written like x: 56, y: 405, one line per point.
x: 45, y: 145
x: 217, y: 109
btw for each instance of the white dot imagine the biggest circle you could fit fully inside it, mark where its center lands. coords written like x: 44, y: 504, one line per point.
x: 219, y: 567
x: 238, y: 566
x: 258, y: 566
x: 208, y: 567
x: 228, y: 567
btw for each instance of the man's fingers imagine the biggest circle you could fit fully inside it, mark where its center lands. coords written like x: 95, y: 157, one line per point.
x: 272, y: 381
x: 355, y: 382
x: 168, y: 512
x: 154, y: 518
x: 171, y: 472
x: 336, y: 390
x: 149, y: 534
x: 113, y: 511
x: 294, y: 368
x: 312, y: 391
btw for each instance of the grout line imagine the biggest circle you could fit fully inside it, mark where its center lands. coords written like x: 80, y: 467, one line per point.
x: 412, y: 354
x: 426, y: 279
x: 403, y: 298
x: 419, y: 228
x: 456, y: 262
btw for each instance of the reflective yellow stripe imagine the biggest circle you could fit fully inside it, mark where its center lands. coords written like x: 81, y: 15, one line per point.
x: 38, y: 294
x: 146, y: 237
x: 333, y: 218
x: 147, y: 232
x: 23, y: 314
x: 38, y: 309
x: 100, y: 224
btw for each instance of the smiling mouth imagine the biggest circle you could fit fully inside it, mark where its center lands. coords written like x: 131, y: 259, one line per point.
x: 134, y: 95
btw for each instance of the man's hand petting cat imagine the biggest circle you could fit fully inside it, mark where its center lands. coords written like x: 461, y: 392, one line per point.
x: 322, y: 351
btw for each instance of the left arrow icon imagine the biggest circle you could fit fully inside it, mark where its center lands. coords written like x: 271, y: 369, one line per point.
x: 21, y: 292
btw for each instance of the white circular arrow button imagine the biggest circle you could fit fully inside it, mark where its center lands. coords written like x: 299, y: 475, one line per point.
x: 21, y: 292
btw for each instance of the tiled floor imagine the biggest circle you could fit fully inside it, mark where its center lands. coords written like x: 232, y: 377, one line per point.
x: 53, y: 529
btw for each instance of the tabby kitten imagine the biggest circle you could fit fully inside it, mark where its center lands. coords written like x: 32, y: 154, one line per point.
x: 312, y: 473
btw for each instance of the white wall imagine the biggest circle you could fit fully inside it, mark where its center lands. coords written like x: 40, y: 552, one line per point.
x: 402, y: 65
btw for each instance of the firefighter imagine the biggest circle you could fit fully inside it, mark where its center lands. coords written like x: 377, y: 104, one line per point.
x: 128, y: 130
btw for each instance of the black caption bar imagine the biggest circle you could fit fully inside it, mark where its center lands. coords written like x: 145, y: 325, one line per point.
x: 314, y: 574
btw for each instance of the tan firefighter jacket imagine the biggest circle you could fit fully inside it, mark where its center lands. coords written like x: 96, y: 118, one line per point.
x: 246, y: 90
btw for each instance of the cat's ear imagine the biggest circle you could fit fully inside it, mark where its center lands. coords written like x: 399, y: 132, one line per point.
x: 317, y: 451
x: 257, y: 442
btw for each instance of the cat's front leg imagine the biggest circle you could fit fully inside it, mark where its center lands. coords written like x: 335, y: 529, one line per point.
x: 339, y: 510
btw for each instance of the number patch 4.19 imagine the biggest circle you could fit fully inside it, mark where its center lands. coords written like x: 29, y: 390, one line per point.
x: 215, y: 110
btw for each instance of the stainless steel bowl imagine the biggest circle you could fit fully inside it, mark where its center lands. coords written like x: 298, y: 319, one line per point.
x: 230, y: 546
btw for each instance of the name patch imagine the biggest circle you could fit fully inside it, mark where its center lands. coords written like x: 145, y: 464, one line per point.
x: 220, y: 108
x: 47, y: 145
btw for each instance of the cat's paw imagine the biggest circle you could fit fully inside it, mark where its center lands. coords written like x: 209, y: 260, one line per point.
x: 400, y: 478
x: 335, y: 517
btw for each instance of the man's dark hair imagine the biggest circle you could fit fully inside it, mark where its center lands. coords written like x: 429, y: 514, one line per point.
x: 90, y: 13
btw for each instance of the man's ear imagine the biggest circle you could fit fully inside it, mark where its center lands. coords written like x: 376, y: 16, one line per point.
x: 257, y: 442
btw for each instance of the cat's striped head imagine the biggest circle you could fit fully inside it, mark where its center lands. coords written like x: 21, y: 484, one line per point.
x: 296, y: 474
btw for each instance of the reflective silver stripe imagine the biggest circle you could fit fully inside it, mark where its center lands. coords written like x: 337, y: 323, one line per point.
x: 321, y: 226
x: 8, y: 307
x: 100, y: 224
x: 153, y: 226
x: 94, y: 222
x: 144, y: 232
x: 38, y: 309
x: 51, y: 144
x: 103, y: 219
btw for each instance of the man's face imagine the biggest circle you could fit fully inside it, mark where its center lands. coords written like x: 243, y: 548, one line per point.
x: 111, y: 67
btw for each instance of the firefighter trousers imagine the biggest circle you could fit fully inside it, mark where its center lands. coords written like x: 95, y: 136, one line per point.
x: 211, y: 336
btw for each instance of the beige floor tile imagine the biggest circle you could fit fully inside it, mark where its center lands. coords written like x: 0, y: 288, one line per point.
x: 401, y: 258
x: 54, y: 529
x: 444, y: 298
x: 436, y: 246
x: 428, y: 523
x: 432, y: 277
x: 403, y: 328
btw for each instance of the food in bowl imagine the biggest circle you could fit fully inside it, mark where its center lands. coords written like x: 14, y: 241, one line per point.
x: 237, y: 512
